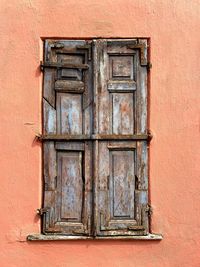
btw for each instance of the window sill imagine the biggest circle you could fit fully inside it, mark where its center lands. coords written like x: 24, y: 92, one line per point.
x: 41, y: 237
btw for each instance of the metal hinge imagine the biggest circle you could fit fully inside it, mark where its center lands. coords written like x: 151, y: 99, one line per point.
x: 141, y: 47
x: 42, y: 211
x: 57, y: 45
x: 149, y: 65
x: 149, y: 209
x: 150, y: 135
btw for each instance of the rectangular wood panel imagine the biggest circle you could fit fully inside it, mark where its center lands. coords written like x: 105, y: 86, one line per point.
x: 121, y: 67
x: 69, y: 114
x: 117, y: 83
x: 122, y: 184
x: 71, y: 183
x: 67, y: 196
x: 116, y: 180
x: 122, y: 113
x: 121, y: 196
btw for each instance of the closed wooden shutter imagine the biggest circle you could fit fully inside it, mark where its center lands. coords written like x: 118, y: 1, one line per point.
x: 121, y: 118
x: 95, y: 137
x: 67, y: 152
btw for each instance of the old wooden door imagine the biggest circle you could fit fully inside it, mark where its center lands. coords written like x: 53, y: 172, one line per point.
x: 95, y: 137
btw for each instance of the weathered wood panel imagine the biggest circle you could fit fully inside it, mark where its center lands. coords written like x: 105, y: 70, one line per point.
x: 68, y: 187
x: 116, y: 180
x: 69, y: 114
x: 122, y: 113
x: 71, y: 185
x: 117, y: 73
x: 49, y: 162
x: 122, y: 184
x: 49, y: 115
x: 121, y: 196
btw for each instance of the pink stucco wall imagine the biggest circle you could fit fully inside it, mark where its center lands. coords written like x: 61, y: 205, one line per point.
x: 174, y: 120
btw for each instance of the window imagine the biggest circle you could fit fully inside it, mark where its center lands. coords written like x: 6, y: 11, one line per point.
x: 95, y: 159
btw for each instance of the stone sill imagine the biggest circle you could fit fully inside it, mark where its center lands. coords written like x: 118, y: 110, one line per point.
x: 41, y: 237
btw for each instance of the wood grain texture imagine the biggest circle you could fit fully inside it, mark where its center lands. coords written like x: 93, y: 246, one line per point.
x: 122, y: 113
x: 71, y: 185
x: 69, y: 114
x: 49, y: 115
x: 122, y: 184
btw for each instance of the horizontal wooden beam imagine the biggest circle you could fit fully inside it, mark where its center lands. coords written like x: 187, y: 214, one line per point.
x: 61, y: 65
x: 69, y: 137
x: 41, y: 237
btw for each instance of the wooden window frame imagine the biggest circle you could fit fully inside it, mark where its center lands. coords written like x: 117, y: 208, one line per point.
x: 136, y: 142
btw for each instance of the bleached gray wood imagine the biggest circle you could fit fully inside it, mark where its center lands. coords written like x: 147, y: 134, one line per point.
x: 39, y: 237
x: 49, y: 118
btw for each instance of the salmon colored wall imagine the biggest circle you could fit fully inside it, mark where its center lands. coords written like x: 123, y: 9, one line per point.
x: 173, y: 26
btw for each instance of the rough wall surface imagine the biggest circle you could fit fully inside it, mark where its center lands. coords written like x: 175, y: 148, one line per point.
x: 174, y: 120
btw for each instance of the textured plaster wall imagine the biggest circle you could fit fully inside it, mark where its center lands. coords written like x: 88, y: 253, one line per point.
x: 173, y: 26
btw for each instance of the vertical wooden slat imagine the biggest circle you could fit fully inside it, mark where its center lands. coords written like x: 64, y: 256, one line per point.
x: 87, y: 211
x: 50, y: 174
x: 141, y: 93
x: 96, y: 72
x: 49, y: 118
x: 103, y: 94
x: 49, y: 75
x: 49, y: 165
x: 88, y: 93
